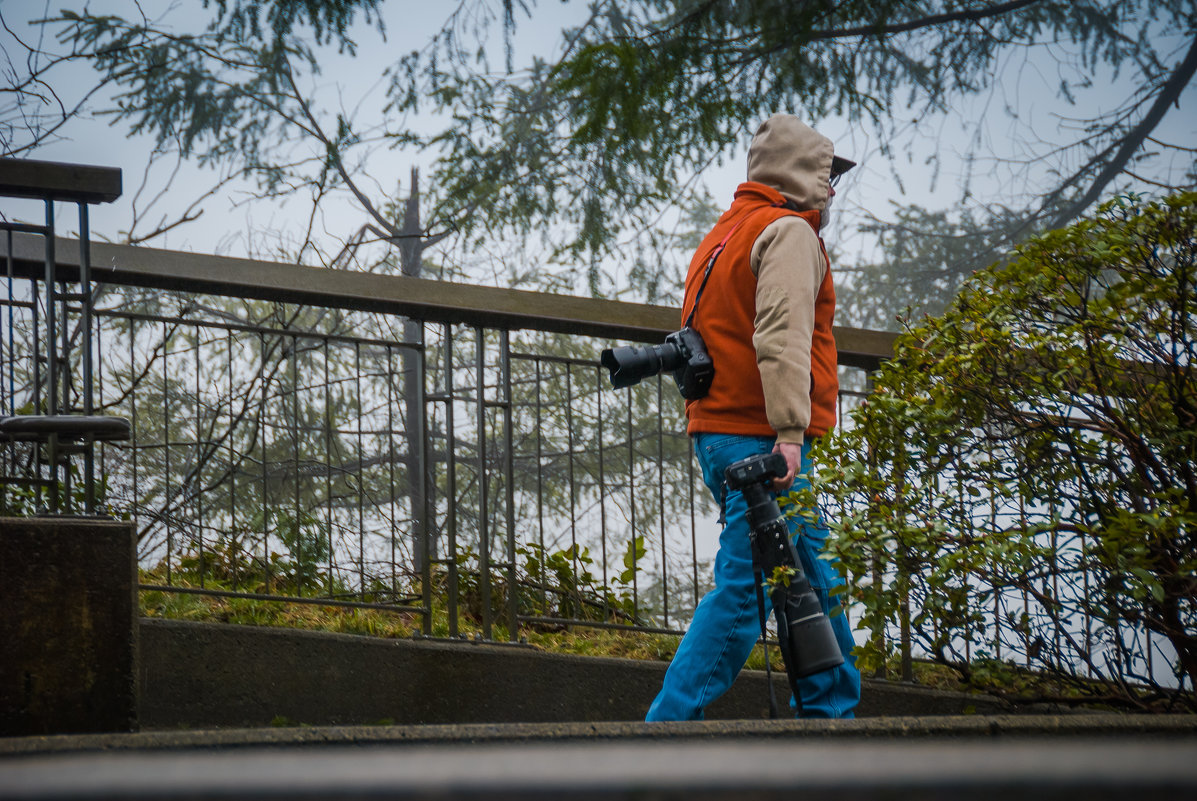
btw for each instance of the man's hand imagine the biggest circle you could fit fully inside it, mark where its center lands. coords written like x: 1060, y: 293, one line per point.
x: 793, y: 453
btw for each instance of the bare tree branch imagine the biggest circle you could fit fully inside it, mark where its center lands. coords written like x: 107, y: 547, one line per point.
x: 1169, y: 93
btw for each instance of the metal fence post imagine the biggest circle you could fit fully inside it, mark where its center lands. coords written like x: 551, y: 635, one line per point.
x: 513, y: 628
x: 427, y: 502
x: 484, y: 588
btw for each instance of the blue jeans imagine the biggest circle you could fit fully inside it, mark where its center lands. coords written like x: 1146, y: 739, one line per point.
x: 726, y: 623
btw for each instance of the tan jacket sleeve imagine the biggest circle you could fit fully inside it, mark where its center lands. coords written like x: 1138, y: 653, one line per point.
x: 789, y: 267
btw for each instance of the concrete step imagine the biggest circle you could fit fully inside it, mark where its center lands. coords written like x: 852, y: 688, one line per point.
x: 1091, y: 757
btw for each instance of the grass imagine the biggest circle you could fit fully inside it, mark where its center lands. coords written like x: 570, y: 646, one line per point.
x: 250, y: 612
x: 577, y: 640
x: 1011, y: 682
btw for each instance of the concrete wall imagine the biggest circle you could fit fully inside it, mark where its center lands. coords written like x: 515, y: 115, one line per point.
x: 196, y: 675
x: 68, y: 633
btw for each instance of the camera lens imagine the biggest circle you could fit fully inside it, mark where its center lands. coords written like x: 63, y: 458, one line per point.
x: 629, y: 365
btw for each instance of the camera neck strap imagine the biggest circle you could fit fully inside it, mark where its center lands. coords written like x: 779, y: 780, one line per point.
x: 710, y: 265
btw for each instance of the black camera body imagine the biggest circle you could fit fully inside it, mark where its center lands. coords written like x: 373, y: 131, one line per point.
x: 683, y: 353
x: 808, y: 643
x: 755, y: 470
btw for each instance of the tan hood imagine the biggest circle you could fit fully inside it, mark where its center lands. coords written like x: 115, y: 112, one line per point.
x: 793, y: 158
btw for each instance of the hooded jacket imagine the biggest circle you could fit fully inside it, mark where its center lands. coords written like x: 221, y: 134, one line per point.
x: 767, y: 311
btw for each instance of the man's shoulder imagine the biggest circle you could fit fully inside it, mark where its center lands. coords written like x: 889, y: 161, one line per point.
x: 784, y: 240
x: 793, y: 228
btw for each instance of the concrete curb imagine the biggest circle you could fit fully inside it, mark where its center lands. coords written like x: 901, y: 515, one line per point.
x: 950, y: 727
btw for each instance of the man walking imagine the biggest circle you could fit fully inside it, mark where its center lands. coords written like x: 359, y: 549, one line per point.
x: 765, y: 314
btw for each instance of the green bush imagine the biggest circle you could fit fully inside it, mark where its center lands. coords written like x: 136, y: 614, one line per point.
x: 1019, y: 491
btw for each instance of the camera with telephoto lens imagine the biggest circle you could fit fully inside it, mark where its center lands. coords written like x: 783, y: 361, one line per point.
x: 804, y: 632
x: 683, y: 352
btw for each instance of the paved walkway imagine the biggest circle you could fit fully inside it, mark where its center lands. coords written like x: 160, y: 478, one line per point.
x: 1090, y: 757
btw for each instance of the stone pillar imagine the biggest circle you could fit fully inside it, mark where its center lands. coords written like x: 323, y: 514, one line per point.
x: 68, y: 626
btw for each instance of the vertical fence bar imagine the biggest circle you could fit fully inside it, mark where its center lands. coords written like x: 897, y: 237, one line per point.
x: 196, y: 472
x: 63, y: 295
x: 427, y: 496
x: 328, y: 471
x: 418, y: 486
x: 170, y: 543
x: 393, y: 501
x: 10, y: 357
x: 1025, y: 623
x: 932, y: 487
x: 99, y: 387
x: 509, y: 481
x: 904, y: 619
x: 602, y: 486
x: 361, y: 516
x: 298, y: 522
x: 37, y: 322
x: 40, y: 405
x: 962, y: 524
x: 233, y: 461
x: 52, y: 406
x: 51, y: 315
x: 451, y: 477
x: 661, y: 500
x: 1148, y: 648
x: 1087, y: 590
x: 262, y: 440
x: 1054, y: 566
x: 544, y: 593
x: 35, y: 295
x: 573, y: 510
x: 11, y: 331
x: 483, y: 490
x: 877, y: 576
x: 902, y: 581
x: 89, y: 464
x: 632, y: 507
x: 997, y: 591
x: 133, y: 452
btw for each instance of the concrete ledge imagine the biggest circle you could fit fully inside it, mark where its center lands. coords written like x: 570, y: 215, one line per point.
x: 85, y: 183
x: 935, y: 727
x: 199, y: 675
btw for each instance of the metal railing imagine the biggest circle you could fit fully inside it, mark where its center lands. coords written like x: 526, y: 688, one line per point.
x: 295, y: 436
x: 53, y: 431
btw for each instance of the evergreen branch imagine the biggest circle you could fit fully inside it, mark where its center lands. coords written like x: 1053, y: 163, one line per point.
x: 964, y: 15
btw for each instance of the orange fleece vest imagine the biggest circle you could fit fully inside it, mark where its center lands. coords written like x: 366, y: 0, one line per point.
x: 725, y: 319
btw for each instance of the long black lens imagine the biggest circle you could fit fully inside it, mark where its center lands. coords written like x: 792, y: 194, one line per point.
x: 808, y: 642
x: 629, y: 365
x: 810, y: 646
